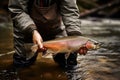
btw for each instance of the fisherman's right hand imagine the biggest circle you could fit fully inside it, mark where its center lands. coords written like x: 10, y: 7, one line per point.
x: 37, y: 39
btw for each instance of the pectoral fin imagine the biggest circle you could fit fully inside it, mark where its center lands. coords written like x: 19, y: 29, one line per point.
x: 34, y: 48
x: 47, y: 52
x: 30, y: 49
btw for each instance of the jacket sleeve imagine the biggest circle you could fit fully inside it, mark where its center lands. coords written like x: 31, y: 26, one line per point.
x: 70, y: 16
x: 22, y: 20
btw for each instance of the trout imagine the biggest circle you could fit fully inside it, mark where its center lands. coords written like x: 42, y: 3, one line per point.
x: 66, y: 45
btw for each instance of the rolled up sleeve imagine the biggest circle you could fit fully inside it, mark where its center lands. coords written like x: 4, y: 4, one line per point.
x: 19, y: 15
x: 70, y: 16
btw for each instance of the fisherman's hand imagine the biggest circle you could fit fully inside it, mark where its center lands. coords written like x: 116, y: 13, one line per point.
x: 83, y: 51
x: 37, y: 39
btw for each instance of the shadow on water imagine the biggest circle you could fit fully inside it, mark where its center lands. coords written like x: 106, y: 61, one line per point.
x: 103, y: 64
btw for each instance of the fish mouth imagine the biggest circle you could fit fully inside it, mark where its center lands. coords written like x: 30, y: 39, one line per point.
x: 97, y: 45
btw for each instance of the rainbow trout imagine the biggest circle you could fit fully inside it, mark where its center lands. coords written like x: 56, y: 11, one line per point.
x: 66, y: 45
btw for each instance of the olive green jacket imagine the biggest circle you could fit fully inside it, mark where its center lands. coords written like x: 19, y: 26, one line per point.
x: 69, y: 12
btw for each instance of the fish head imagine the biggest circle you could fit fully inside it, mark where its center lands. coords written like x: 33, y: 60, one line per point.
x: 89, y: 45
x: 92, y: 45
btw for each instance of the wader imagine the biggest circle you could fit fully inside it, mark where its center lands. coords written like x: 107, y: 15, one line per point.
x: 48, y: 22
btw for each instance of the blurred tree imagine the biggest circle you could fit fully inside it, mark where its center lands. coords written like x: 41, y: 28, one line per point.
x: 84, y: 5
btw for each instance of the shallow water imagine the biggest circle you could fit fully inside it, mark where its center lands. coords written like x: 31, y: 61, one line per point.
x: 103, y: 64
x: 6, y: 38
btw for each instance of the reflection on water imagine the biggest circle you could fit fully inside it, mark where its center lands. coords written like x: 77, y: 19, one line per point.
x: 42, y: 69
x: 103, y: 64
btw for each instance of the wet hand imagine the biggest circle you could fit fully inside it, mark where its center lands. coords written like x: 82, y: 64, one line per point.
x: 83, y: 51
x: 37, y: 39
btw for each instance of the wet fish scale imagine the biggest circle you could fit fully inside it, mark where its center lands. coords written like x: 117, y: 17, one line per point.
x: 67, y: 45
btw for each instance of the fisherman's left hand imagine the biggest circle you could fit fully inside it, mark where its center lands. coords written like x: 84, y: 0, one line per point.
x: 83, y: 51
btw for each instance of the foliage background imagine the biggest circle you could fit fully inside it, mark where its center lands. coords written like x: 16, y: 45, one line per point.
x: 84, y: 5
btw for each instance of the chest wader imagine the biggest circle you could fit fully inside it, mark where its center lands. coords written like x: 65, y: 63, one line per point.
x: 48, y: 22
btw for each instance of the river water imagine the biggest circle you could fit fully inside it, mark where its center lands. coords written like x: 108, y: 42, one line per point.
x: 102, y: 64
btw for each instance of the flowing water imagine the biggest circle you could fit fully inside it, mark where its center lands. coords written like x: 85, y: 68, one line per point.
x: 103, y: 64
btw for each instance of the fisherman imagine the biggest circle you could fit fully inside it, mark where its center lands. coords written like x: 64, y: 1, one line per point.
x: 41, y: 20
